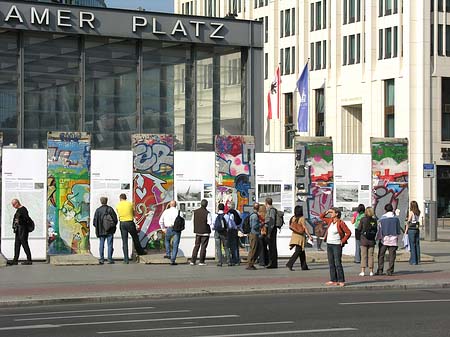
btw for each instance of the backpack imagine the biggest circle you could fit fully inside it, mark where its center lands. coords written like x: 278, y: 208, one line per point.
x: 108, y: 222
x: 236, y: 216
x: 220, y: 224
x: 246, y: 229
x: 371, y: 231
x: 178, y: 224
x: 279, y: 218
x: 30, y: 225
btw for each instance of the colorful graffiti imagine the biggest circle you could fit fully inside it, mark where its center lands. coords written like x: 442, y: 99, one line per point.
x: 152, y: 184
x: 390, y: 175
x: 68, y: 192
x: 314, y: 176
x: 235, y: 171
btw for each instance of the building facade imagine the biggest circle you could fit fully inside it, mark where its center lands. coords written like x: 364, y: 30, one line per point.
x: 65, y: 68
x: 378, y: 68
x: 87, y: 3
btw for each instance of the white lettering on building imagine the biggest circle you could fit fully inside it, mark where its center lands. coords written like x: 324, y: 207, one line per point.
x: 62, y: 16
x: 178, y: 28
x: 155, y: 27
x: 139, y: 21
x: 40, y: 20
x: 13, y: 14
x: 214, y: 34
x: 197, y: 27
x: 87, y: 17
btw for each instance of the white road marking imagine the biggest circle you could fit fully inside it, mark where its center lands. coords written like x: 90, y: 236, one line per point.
x: 74, y: 311
x: 196, y: 327
x: 100, y: 315
x: 273, y: 333
x: 394, y: 302
x: 23, y: 327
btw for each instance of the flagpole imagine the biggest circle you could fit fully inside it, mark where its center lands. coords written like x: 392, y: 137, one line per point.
x: 309, y: 97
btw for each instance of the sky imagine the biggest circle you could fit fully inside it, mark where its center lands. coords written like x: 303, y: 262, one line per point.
x: 149, y: 5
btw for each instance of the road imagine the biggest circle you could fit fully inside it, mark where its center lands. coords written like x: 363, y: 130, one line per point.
x: 342, y: 313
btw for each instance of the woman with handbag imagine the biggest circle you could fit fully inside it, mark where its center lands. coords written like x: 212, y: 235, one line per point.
x: 412, y: 229
x: 298, y: 227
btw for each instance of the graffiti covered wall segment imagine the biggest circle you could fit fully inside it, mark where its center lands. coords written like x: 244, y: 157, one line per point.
x: 68, y: 156
x: 390, y: 175
x: 235, y: 171
x: 152, y: 184
x: 314, y: 176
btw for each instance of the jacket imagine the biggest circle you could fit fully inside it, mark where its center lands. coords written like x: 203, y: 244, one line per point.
x: 98, y: 220
x: 201, y: 225
x: 342, y: 228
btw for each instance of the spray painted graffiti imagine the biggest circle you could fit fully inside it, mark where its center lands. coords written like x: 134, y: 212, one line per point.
x: 152, y: 184
x: 235, y: 171
x: 314, y: 176
x: 390, y: 175
x: 68, y: 192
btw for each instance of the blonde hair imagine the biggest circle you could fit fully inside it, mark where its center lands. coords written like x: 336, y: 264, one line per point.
x: 369, y: 212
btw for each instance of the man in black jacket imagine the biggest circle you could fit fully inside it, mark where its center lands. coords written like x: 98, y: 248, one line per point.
x: 202, y: 228
x: 105, y: 223
x: 20, y: 228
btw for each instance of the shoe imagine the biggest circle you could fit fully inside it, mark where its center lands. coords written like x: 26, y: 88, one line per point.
x: 371, y: 273
x: 331, y: 283
x: 341, y: 284
x: 126, y: 262
x: 144, y: 252
x: 173, y: 263
x: 230, y: 265
x: 192, y: 263
x: 361, y: 273
x: 11, y: 263
x: 290, y: 268
x: 320, y: 249
x: 27, y: 263
x: 219, y: 265
x: 251, y: 268
x: 305, y: 268
x: 379, y: 273
x: 271, y: 267
x: 101, y: 262
x: 389, y: 273
x: 202, y: 264
x: 166, y: 256
x: 111, y: 262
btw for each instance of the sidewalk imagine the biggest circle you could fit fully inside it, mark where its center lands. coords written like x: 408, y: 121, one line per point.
x: 44, y: 283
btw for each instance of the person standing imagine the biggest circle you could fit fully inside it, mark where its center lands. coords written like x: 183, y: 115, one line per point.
x: 126, y: 218
x: 221, y: 236
x: 166, y: 221
x: 20, y: 229
x: 336, y: 237
x: 357, y: 216
x: 263, y: 251
x: 368, y: 229
x: 202, y: 228
x: 271, y: 214
x: 233, y: 217
x: 412, y: 229
x: 255, y: 232
x: 299, y: 230
x: 105, y: 223
x: 388, y: 231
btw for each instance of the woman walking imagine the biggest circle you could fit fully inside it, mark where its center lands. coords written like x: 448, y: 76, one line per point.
x: 412, y: 228
x: 368, y: 228
x: 336, y: 237
x: 299, y: 229
x: 357, y: 216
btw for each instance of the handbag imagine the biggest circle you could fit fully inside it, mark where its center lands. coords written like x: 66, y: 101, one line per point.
x: 297, y: 226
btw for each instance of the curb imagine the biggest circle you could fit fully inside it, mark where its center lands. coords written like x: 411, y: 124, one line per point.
x: 215, y: 292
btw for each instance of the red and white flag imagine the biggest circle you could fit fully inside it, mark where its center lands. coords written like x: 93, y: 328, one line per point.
x: 273, y: 96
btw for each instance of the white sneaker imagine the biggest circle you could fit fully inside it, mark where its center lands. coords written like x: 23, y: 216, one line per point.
x: 202, y: 264
x: 361, y: 273
x: 192, y: 264
x: 371, y: 273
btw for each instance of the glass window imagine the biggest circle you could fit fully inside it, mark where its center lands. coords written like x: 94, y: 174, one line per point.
x: 311, y: 55
x: 447, y: 5
x: 440, y: 40
x: 266, y: 66
x: 287, y: 61
x: 320, y: 112
x: 380, y: 7
x: 358, y: 11
x: 358, y: 48
x: 293, y: 60
x: 344, y: 51
x: 352, y: 11
x: 318, y: 55
x: 266, y: 29
x: 324, y: 63
x: 389, y: 108
x: 345, y: 12
x: 432, y: 40
x: 288, y: 120
x: 324, y: 14
x: 318, y: 15
x: 52, y: 86
x: 111, y: 82
x: 447, y: 40
x: 281, y: 24
x: 440, y: 5
x: 380, y: 44
x: 445, y: 99
x: 388, y: 44
x: 311, y: 13
x: 395, y: 53
x: 388, y: 10
x: 281, y: 61
x: 293, y: 21
x: 287, y: 22
x: 352, y: 49
x: 395, y: 6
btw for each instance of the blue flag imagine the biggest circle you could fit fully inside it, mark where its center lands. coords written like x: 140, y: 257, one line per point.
x: 302, y: 86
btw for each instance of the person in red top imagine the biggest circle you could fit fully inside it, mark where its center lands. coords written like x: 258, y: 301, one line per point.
x: 336, y: 237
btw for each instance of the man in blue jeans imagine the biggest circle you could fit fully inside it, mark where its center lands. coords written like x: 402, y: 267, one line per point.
x: 166, y: 222
x: 105, y: 223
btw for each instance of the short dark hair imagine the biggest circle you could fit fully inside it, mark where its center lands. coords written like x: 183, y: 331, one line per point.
x: 256, y: 206
x: 103, y: 200
x: 221, y: 207
x: 204, y: 203
x: 361, y: 208
x: 298, y: 211
x: 388, y: 208
x: 269, y: 201
x: 337, y: 211
x: 123, y: 196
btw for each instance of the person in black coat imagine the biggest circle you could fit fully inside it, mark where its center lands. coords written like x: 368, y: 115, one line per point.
x: 21, y: 231
x: 105, y: 223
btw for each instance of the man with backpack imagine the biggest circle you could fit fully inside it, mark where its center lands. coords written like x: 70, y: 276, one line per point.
x: 270, y: 223
x: 234, y: 219
x: 105, y: 223
x: 221, y: 236
x: 202, y: 228
x: 166, y: 221
x: 20, y: 228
